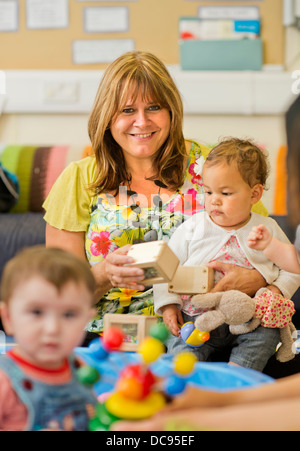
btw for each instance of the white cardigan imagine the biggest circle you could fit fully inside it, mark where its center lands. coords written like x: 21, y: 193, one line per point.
x: 198, y: 240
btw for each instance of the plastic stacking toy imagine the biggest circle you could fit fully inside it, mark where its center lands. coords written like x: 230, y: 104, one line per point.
x: 184, y: 363
x: 150, y: 349
x: 192, y: 336
x: 183, y: 366
x: 127, y: 383
x: 135, y: 395
x: 113, y: 339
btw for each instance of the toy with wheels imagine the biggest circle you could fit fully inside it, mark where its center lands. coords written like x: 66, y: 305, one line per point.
x: 192, y: 336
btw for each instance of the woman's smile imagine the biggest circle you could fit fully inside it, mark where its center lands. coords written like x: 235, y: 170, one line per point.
x: 144, y: 136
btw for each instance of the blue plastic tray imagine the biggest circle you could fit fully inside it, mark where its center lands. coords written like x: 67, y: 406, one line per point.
x: 209, y: 376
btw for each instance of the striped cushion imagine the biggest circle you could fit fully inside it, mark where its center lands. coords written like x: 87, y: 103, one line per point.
x: 280, y: 188
x: 37, y: 168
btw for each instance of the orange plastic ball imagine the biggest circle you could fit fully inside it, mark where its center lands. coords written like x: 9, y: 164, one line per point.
x: 129, y: 387
x: 135, y: 382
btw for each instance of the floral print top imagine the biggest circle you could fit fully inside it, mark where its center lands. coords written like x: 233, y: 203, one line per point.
x: 112, y: 226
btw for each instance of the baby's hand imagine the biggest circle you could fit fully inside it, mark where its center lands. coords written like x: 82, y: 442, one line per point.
x: 172, y: 317
x: 259, y: 238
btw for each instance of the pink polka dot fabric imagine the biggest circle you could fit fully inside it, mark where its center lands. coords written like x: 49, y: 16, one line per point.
x: 274, y: 310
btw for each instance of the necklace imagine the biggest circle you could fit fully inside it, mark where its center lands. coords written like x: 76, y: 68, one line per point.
x: 150, y: 235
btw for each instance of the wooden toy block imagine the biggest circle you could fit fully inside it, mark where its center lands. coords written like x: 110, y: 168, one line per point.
x: 134, y: 327
x: 192, y: 280
x: 157, y: 259
x: 162, y: 265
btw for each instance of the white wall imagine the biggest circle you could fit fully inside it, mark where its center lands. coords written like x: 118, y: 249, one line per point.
x: 266, y: 130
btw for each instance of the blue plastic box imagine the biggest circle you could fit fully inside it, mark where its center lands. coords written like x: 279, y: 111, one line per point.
x: 235, y: 55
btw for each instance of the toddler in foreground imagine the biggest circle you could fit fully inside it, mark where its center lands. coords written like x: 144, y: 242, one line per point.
x: 234, y: 175
x: 47, y: 299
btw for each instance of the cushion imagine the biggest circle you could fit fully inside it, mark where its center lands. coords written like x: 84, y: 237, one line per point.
x: 37, y: 168
x: 280, y: 189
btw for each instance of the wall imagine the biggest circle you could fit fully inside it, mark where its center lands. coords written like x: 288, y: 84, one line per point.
x: 292, y: 49
x: 234, y: 110
x: 153, y: 26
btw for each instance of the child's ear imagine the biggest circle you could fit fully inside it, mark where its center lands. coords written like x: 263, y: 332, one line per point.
x: 5, y: 318
x: 257, y: 192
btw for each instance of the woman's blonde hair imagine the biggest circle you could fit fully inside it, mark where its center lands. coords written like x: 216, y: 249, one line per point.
x: 129, y: 75
x: 251, y: 161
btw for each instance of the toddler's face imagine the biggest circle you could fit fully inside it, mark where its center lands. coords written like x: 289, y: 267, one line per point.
x: 228, y: 198
x: 45, y: 323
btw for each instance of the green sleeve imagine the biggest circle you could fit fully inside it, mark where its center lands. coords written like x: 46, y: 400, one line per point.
x: 68, y: 205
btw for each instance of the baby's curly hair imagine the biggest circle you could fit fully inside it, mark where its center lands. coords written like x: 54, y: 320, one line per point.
x: 251, y: 161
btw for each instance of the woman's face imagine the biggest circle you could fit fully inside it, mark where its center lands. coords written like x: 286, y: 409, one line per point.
x: 141, y: 128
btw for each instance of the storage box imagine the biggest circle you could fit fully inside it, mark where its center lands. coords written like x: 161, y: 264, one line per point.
x: 241, y: 54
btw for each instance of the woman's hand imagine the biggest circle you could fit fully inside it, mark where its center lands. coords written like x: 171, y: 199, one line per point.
x: 172, y: 317
x: 248, y: 281
x: 120, y: 275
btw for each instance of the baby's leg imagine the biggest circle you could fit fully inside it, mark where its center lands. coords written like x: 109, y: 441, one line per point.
x: 254, y: 349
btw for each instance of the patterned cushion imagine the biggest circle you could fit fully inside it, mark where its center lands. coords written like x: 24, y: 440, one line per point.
x: 37, y: 168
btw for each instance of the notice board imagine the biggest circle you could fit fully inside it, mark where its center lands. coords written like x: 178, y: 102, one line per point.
x: 151, y: 25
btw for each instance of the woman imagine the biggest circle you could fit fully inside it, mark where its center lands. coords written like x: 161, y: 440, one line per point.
x: 139, y: 185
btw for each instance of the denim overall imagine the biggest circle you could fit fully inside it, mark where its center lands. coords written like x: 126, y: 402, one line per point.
x: 61, y: 407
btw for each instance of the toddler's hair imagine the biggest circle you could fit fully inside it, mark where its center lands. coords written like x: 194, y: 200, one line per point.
x: 56, y: 266
x: 250, y: 159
